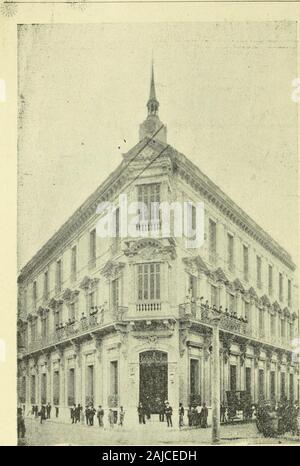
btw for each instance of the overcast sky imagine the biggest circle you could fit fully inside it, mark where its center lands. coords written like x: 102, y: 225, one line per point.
x: 225, y: 96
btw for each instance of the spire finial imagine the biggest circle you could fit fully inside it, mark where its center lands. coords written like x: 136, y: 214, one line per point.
x: 153, y: 103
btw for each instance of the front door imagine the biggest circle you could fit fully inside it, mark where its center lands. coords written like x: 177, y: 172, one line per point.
x: 153, y: 380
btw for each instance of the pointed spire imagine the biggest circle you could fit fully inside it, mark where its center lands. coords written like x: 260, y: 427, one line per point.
x: 152, y: 103
x: 152, y: 85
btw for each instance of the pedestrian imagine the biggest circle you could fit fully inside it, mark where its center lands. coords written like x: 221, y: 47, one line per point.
x: 87, y: 414
x: 204, y: 415
x: 42, y: 414
x: 121, y: 416
x: 198, y: 415
x: 78, y: 410
x: 161, y: 411
x: 56, y: 411
x: 36, y: 411
x: 20, y: 424
x: 111, y: 418
x: 222, y: 412
x: 181, y: 415
x: 141, y: 413
x: 168, y: 413
x: 100, y: 416
x: 189, y: 415
x: 92, y: 413
x: 48, y: 410
x: 73, y: 413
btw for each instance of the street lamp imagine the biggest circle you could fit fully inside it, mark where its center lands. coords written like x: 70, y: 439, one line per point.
x: 215, y: 379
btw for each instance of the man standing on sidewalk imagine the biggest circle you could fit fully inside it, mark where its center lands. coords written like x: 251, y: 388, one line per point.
x: 169, y: 412
x: 100, y: 415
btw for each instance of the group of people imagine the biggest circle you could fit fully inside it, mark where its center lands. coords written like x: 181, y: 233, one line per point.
x: 197, y: 415
x: 285, y: 413
x: 44, y: 412
x: 114, y: 417
x: 165, y: 412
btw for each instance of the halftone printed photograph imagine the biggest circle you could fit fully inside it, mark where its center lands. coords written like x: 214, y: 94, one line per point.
x: 157, y: 233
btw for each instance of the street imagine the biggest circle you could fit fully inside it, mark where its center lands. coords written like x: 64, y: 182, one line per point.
x: 52, y: 432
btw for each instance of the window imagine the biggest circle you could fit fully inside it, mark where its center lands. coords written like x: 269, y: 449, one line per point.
x: 91, y: 301
x: 291, y: 328
x: 270, y: 280
x: 72, y: 312
x: 25, y: 300
x: 147, y: 195
x: 115, y: 294
x: 230, y: 252
x: 272, y: 385
x: 58, y: 317
x: 291, y: 387
x: 73, y: 263
x: 289, y: 293
x: 191, y: 220
x: 248, y: 380
x: 282, y: 325
x: 231, y: 303
x: 148, y: 282
x: 258, y: 271
x: 261, y: 322
x: 232, y: 373
x: 33, y: 330
x: 45, y: 322
x: 280, y: 287
x: 34, y: 294
x: 58, y: 275
x: 117, y: 222
x: 114, y: 383
x: 273, y: 325
x: 194, y: 377
x: 32, y: 390
x: 46, y: 284
x: 192, y: 287
x: 71, y: 387
x: 89, y: 384
x: 261, y: 383
x: 246, y: 262
x: 247, y: 311
x: 212, y: 241
x: 93, y: 247
x: 22, y: 396
x: 214, y: 295
x: 282, y: 385
x: 44, y: 389
x: 56, y: 387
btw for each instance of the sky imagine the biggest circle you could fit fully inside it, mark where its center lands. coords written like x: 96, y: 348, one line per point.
x: 225, y: 96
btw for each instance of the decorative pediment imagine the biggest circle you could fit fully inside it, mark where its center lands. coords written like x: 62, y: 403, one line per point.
x: 55, y: 303
x: 276, y: 307
x: 286, y: 312
x: 252, y: 293
x: 265, y: 300
x: 70, y: 295
x: 196, y: 262
x: 31, y: 317
x: 220, y: 276
x: 238, y: 285
x: 87, y: 283
x: 294, y: 316
x: 112, y: 269
x: 149, y: 248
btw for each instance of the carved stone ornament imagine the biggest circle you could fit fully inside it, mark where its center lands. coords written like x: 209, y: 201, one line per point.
x: 112, y: 269
x: 88, y: 283
x: 148, y: 248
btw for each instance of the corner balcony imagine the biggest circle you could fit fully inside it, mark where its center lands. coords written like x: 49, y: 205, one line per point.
x: 99, y: 321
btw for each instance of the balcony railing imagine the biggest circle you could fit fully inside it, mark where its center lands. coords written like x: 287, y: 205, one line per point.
x: 148, y: 306
x: 70, y: 330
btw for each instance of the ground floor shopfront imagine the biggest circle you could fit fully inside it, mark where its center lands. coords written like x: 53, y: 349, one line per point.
x: 151, y: 362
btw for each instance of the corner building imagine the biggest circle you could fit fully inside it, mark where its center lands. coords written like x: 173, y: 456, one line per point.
x: 116, y: 320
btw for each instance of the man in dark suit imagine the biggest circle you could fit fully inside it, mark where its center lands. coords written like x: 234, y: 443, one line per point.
x: 168, y: 413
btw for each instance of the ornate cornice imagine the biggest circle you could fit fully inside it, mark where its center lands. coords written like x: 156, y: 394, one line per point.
x: 70, y: 295
x: 88, y: 283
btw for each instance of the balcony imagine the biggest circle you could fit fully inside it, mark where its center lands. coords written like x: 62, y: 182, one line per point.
x: 148, y: 306
x: 71, y: 330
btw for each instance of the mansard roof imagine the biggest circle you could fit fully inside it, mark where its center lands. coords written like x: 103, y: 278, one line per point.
x: 183, y: 167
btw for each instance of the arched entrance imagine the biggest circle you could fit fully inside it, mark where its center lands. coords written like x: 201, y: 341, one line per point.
x: 153, y: 379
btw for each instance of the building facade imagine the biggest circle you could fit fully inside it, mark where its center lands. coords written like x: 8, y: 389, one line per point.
x: 121, y: 319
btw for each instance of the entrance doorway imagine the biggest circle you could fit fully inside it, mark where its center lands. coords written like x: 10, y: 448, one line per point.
x: 153, y: 380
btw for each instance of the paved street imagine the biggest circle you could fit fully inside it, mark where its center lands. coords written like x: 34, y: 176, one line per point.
x: 153, y: 433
